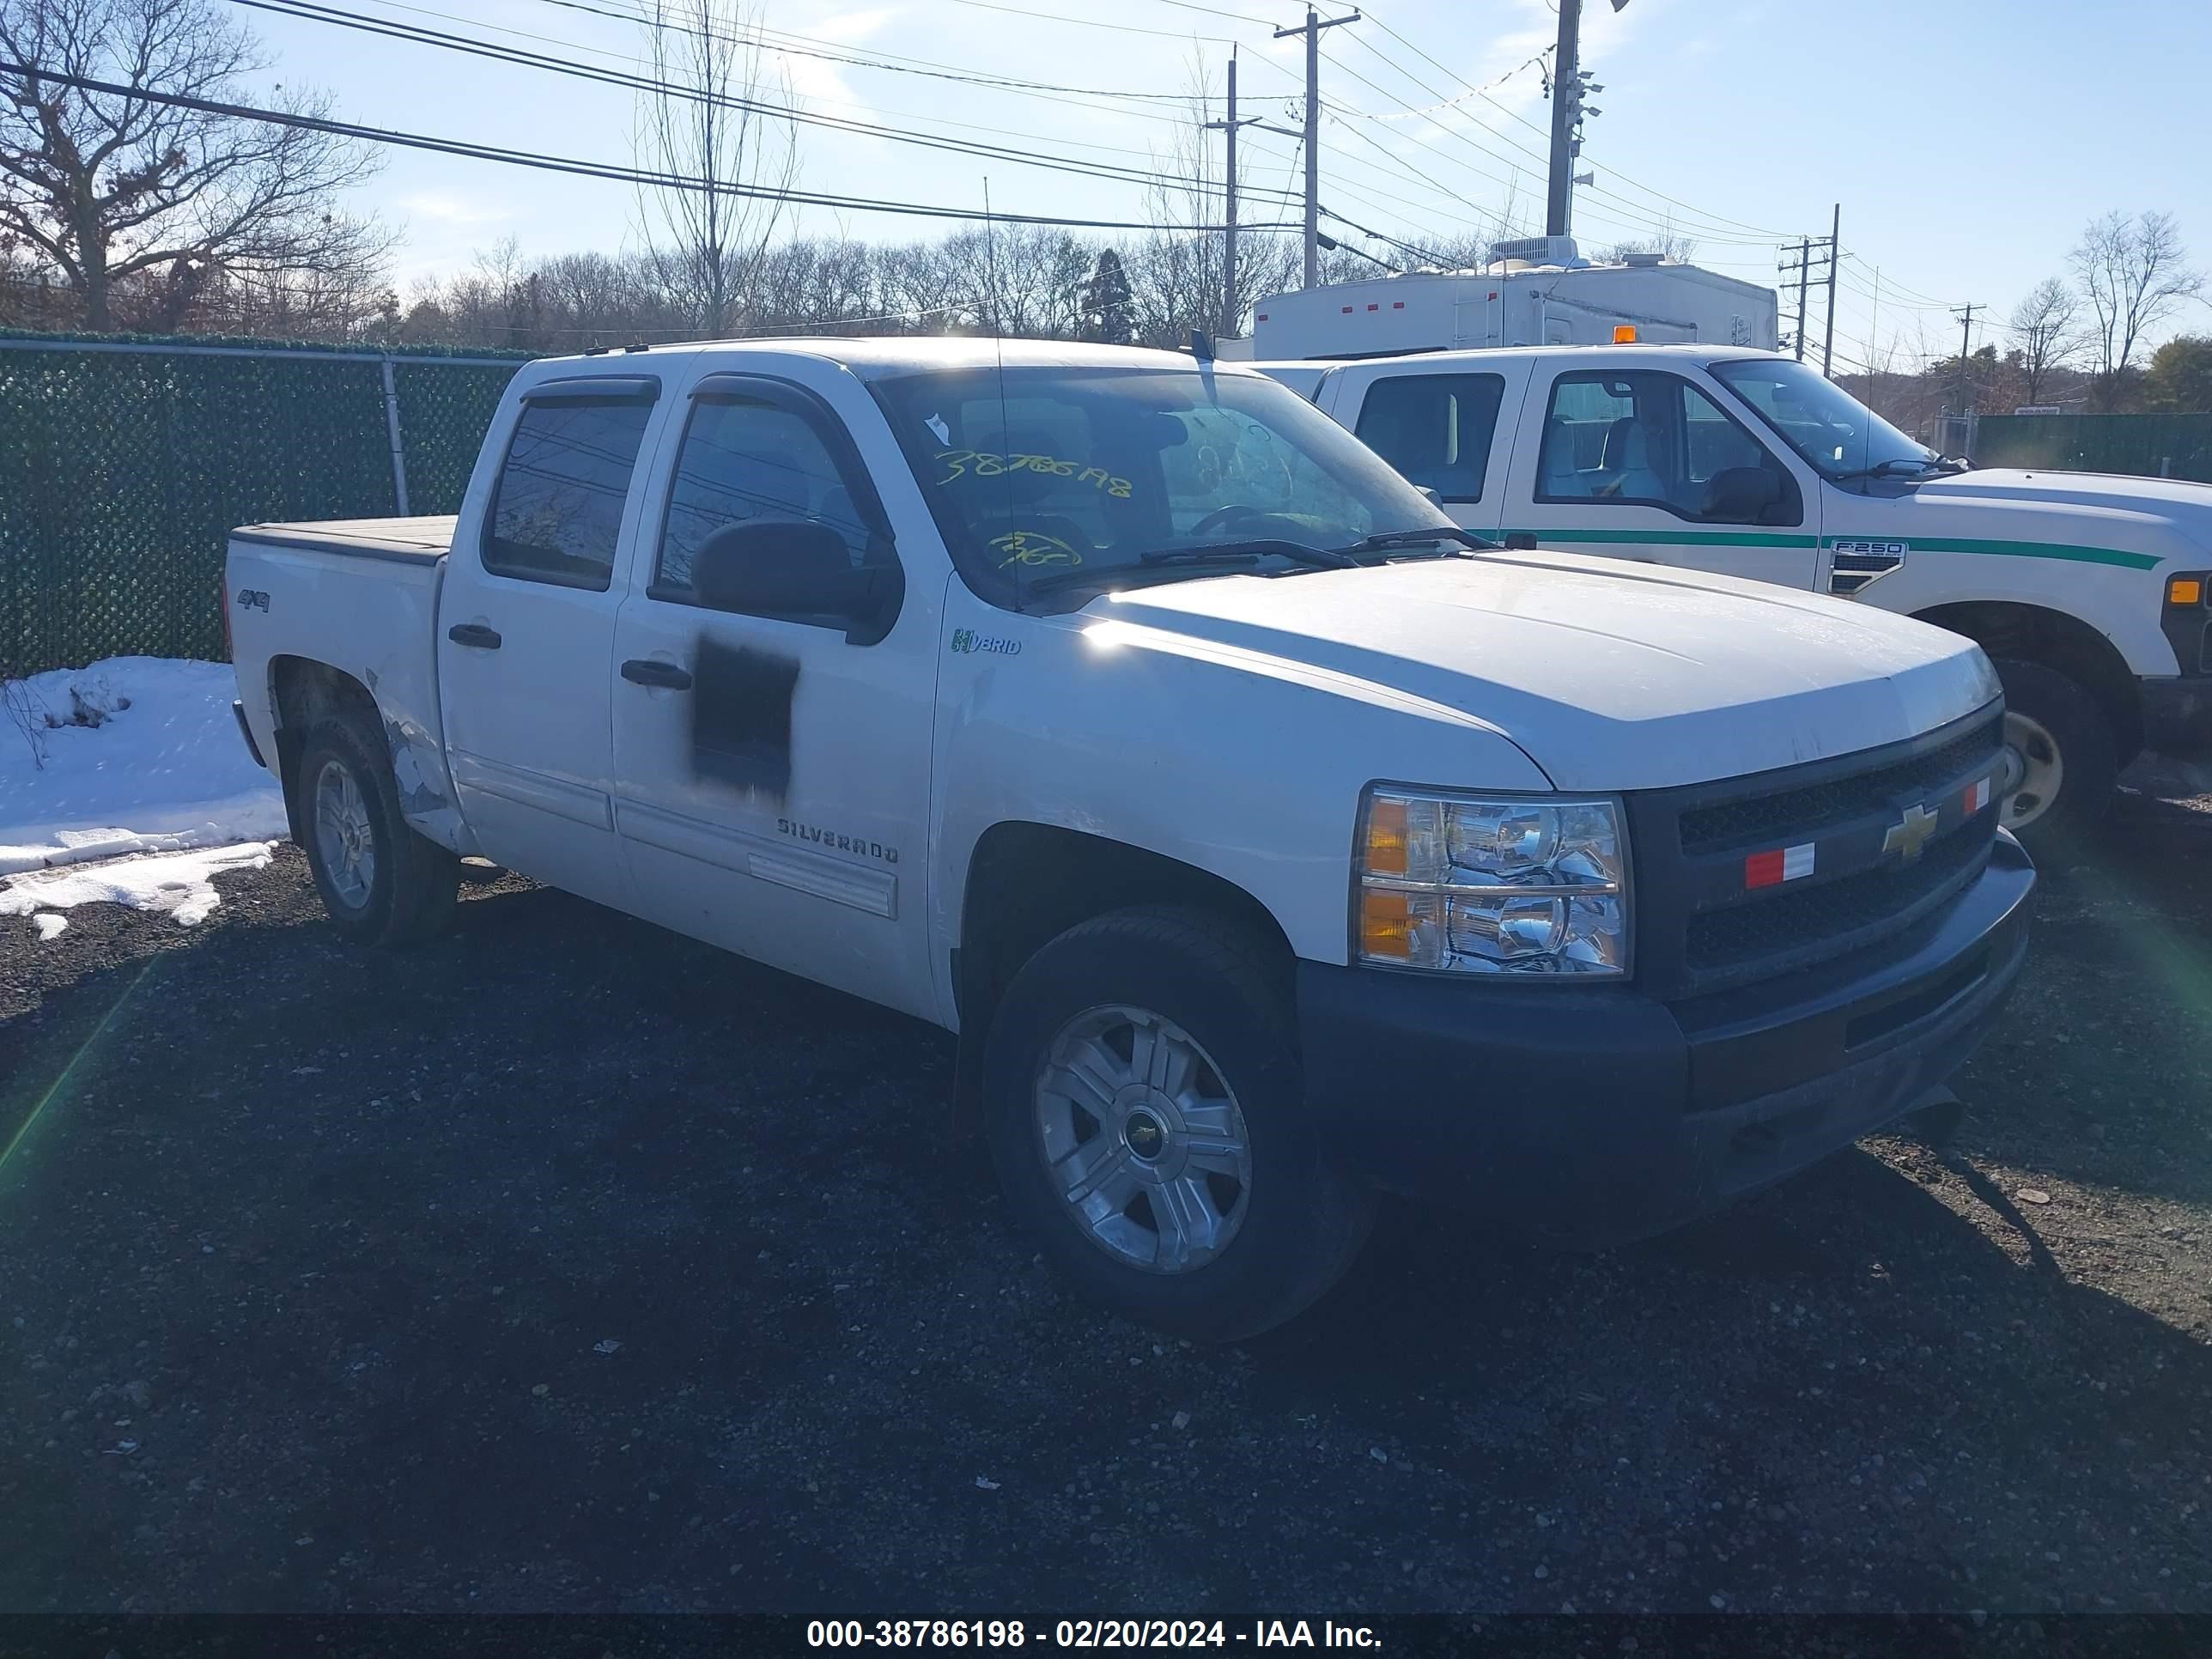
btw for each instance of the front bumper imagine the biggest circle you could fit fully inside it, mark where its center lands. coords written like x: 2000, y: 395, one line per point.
x: 1596, y: 1116
x: 2177, y: 715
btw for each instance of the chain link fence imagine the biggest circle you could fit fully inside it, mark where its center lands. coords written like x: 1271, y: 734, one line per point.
x: 2144, y: 445
x: 125, y: 464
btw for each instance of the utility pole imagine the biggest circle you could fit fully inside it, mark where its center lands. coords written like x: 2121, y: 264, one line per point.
x: 1231, y: 311
x: 1802, y: 270
x: 1311, y: 29
x: 1568, y: 86
x: 1804, y: 284
x: 1965, y: 345
x: 1567, y: 100
x: 1835, y: 254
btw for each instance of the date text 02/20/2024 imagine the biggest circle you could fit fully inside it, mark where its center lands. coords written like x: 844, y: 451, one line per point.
x: 1086, y: 1633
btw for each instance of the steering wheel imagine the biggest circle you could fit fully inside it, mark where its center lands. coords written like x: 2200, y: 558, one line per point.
x: 1222, y: 517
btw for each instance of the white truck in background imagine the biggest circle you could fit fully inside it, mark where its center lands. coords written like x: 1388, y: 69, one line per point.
x: 1268, y: 841
x: 2092, y: 594
x: 1533, y: 292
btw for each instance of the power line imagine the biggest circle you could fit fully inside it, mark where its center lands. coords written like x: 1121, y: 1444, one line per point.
x: 308, y: 11
x: 1763, y: 232
x: 907, y: 115
x: 1093, y: 22
x: 549, y: 163
x: 774, y: 40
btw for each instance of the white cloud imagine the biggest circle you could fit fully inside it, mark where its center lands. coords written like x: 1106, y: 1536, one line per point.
x: 445, y: 208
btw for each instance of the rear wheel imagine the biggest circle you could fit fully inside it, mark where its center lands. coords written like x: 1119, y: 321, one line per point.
x: 1147, y: 1119
x: 2061, y: 760
x: 381, y: 883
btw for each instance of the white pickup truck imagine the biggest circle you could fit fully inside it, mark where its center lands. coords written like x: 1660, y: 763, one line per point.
x: 2094, y: 594
x: 1268, y: 842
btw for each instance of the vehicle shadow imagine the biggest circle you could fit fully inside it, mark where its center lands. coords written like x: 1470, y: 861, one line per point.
x: 1864, y: 1379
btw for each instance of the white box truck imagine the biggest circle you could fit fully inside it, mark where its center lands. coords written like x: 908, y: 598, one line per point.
x: 1539, y: 292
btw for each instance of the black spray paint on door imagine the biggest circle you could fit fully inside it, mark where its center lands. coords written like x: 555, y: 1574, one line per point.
x: 741, y: 718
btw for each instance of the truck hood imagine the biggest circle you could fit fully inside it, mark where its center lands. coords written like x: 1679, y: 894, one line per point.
x: 2095, y: 508
x: 1608, y: 678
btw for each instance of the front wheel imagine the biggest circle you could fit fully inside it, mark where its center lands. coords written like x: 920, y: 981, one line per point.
x: 2061, y: 760
x: 1146, y: 1117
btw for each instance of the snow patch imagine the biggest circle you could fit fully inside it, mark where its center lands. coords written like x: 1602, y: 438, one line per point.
x: 180, y: 884
x: 129, y: 755
x: 49, y: 925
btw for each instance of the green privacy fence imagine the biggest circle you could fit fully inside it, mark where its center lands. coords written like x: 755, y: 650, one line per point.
x: 2150, y: 445
x: 123, y: 464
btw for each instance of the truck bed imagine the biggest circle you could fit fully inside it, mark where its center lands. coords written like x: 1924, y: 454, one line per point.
x: 410, y: 541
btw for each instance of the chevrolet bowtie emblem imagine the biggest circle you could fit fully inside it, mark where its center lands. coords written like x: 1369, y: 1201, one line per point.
x: 1910, y: 833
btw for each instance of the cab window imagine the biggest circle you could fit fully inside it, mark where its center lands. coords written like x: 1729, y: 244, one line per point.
x: 558, y: 507
x: 1644, y: 438
x: 746, y: 458
x: 1436, y: 429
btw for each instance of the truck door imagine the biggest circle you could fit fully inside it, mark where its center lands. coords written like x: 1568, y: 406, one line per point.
x: 1440, y: 428
x: 1643, y: 464
x: 526, y: 622
x: 771, y: 767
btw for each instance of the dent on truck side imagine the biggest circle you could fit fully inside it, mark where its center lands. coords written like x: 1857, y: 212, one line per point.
x: 356, y: 637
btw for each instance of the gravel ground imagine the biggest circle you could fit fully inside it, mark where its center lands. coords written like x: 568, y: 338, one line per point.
x: 565, y: 1264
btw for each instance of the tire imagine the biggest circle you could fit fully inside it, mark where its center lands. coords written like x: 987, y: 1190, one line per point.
x: 2061, y: 739
x: 1255, y: 1221
x: 404, y: 892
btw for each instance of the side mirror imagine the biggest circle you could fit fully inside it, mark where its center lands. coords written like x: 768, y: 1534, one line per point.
x: 1429, y: 492
x: 1739, y: 494
x: 796, y: 569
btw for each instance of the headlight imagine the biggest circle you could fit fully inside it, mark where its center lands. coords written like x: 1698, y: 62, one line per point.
x: 1515, y: 886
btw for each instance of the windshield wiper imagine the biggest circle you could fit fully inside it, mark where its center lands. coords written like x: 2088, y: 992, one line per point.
x: 1883, y: 469
x: 1223, y: 554
x: 1450, y: 532
x: 1249, y: 552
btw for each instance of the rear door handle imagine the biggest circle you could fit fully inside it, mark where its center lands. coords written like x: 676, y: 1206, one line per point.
x: 474, y: 634
x: 644, y: 671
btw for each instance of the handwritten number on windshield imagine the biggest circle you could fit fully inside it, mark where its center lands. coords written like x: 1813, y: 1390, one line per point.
x: 985, y: 464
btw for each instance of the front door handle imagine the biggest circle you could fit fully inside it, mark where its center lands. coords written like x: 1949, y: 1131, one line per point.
x: 644, y: 671
x: 474, y: 634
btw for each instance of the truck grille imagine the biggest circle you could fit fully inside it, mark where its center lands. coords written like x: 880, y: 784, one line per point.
x: 1701, y: 926
x: 1792, y: 814
x: 1830, y: 916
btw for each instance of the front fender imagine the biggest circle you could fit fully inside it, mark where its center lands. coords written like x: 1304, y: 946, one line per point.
x: 1248, y: 768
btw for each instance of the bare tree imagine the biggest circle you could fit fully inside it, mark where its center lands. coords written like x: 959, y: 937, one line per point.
x: 2042, y: 326
x: 2134, y: 275
x: 1176, y: 271
x: 714, y: 123
x: 109, y: 187
x: 819, y: 283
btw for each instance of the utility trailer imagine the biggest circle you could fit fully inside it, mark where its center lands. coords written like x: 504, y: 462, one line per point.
x: 1539, y: 292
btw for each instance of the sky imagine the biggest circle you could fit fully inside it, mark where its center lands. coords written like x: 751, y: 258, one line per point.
x: 1967, y: 142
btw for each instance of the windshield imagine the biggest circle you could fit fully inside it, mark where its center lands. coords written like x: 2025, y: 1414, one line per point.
x: 1036, y: 476
x: 1831, y: 430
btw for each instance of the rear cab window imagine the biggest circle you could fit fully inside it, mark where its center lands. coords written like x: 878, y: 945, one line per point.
x: 1436, y: 429
x: 556, y: 508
